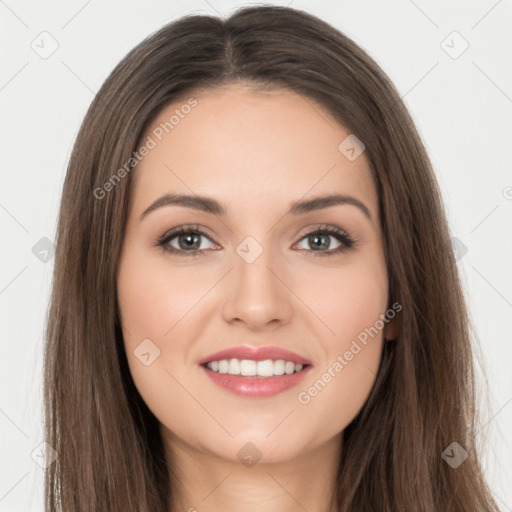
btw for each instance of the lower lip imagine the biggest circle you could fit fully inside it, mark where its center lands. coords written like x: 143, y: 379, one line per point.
x: 256, y: 386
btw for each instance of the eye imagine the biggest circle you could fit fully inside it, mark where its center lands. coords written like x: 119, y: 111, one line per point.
x: 319, y: 240
x: 186, y: 241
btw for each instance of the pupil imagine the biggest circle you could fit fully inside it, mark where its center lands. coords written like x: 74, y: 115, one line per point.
x: 190, y: 240
x: 315, y: 239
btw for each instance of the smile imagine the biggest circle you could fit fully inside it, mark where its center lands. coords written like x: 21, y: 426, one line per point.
x: 251, y: 378
x: 255, y: 371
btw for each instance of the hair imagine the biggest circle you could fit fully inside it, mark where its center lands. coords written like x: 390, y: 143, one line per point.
x: 110, y: 451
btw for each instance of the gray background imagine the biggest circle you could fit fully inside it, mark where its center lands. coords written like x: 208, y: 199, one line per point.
x: 461, y: 102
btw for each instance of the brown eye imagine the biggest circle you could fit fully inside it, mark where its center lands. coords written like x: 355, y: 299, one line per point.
x: 188, y: 241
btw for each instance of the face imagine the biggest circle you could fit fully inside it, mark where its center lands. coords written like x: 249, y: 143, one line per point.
x: 259, y: 274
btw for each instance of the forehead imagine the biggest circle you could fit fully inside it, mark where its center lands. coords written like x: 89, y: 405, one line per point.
x: 249, y: 148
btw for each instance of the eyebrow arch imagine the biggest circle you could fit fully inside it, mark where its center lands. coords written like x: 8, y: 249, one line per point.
x: 210, y: 205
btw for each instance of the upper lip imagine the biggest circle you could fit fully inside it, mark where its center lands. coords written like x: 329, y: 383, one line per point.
x: 256, y: 354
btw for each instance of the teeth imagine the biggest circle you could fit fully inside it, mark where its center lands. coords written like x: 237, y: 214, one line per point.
x: 234, y: 367
x: 289, y: 368
x: 249, y: 368
x: 223, y: 366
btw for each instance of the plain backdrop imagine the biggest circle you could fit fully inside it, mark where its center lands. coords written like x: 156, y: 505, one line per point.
x: 451, y: 62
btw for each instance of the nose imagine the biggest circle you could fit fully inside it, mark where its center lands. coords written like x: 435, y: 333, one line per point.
x: 258, y: 294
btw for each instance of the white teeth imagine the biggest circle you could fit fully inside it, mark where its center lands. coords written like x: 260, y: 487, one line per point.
x: 279, y: 367
x: 247, y: 367
x: 289, y: 368
x: 234, y: 367
x: 265, y: 368
x: 223, y: 366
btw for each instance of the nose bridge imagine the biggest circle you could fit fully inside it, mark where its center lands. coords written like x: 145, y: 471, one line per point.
x: 257, y: 295
x: 253, y: 262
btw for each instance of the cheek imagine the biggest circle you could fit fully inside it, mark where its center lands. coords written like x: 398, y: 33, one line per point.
x: 164, y: 305
x: 351, y: 306
x: 154, y: 298
x: 346, y: 300
x: 339, y: 390
x: 357, y: 304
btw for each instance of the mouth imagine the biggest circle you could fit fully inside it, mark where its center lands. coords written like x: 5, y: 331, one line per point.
x: 250, y: 372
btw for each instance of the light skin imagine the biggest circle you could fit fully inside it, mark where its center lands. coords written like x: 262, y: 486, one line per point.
x: 256, y: 153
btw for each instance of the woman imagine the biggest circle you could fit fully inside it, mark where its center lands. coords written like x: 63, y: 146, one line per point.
x: 255, y: 296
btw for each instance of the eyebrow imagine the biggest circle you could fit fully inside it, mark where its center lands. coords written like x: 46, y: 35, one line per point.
x: 210, y: 205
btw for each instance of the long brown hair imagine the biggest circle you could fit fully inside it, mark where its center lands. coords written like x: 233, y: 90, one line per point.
x: 110, y: 452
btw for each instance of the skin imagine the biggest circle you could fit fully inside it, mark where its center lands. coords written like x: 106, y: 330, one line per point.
x: 256, y: 152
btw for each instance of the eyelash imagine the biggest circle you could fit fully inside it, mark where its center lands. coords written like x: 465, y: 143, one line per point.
x: 346, y: 240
